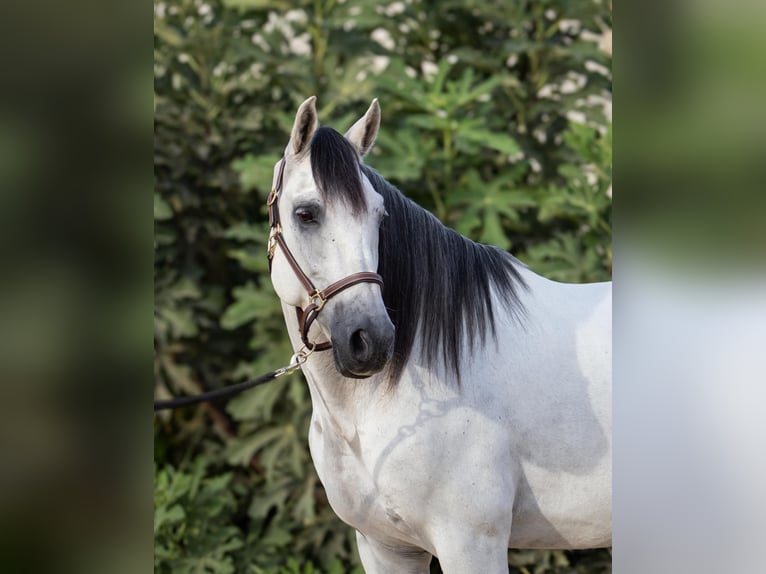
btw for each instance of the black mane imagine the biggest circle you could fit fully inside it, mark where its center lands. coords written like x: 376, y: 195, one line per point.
x: 436, y: 282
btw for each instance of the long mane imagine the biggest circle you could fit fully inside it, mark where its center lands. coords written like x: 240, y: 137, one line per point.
x: 438, y: 285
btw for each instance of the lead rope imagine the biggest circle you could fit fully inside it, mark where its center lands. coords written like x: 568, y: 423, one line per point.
x: 295, y: 362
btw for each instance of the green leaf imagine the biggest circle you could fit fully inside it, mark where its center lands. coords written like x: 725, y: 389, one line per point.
x: 493, y: 140
x: 244, y: 231
x: 256, y: 171
x: 170, y: 36
x: 250, y: 303
x: 257, y: 402
x: 263, y: 504
x: 164, y: 516
x: 240, y: 451
x: 181, y: 321
x: 492, y: 232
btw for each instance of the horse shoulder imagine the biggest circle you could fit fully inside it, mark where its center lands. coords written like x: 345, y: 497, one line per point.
x: 556, y: 385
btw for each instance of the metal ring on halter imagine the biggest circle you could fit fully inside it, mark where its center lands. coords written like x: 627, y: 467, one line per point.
x: 296, y: 361
x: 316, y: 298
x: 302, y: 355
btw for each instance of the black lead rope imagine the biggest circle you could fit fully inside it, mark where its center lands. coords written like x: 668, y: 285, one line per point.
x: 295, y: 362
x: 214, y: 395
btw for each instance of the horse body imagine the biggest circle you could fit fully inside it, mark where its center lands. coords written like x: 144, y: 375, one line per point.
x: 511, y: 449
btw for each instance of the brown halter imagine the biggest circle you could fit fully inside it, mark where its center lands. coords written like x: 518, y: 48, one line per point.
x: 317, y: 298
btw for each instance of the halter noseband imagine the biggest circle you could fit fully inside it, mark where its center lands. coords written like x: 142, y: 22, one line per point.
x: 317, y: 298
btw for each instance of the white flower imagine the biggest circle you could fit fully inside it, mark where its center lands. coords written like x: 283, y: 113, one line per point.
x: 295, y: 16
x: 383, y: 37
x: 394, y: 9
x: 379, y: 63
x: 429, y: 69
x: 301, y: 45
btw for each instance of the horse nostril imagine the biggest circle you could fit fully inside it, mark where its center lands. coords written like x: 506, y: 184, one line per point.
x: 360, y: 344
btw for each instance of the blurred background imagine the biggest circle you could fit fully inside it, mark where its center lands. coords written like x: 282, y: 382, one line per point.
x: 496, y: 117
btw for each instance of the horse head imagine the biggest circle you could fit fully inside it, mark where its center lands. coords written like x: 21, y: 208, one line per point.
x: 325, y: 220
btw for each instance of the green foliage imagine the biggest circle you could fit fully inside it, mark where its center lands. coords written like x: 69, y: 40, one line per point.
x: 193, y: 521
x: 492, y: 118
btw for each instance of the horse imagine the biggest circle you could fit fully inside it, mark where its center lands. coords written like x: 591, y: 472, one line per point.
x: 461, y: 402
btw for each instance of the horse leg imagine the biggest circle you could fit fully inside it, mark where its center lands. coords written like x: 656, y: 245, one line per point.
x: 471, y: 552
x: 379, y: 558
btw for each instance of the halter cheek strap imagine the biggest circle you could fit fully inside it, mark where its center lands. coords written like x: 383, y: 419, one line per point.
x: 317, y: 298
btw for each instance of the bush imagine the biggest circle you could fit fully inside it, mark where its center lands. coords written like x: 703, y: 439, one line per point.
x: 493, y: 118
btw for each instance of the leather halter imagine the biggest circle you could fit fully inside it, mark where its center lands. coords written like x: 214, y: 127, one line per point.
x: 317, y: 298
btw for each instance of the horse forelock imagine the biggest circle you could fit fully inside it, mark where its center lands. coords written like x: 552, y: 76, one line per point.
x: 438, y: 285
x: 336, y: 169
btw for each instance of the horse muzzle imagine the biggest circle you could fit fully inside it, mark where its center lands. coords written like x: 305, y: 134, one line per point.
x: 362, y: 346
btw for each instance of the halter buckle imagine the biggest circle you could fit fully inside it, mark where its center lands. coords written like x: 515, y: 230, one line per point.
x: 272, y: 197
x: 271, y: 245
x: 316, y: 298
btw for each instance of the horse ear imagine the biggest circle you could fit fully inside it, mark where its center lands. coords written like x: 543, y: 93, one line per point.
x: 304, y: 127
x: 363, y: 133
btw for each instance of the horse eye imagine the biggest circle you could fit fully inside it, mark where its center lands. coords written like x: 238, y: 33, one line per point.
x: 305, y: 215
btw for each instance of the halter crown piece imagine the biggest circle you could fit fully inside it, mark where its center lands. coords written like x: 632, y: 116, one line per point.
x: 316, y: 298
